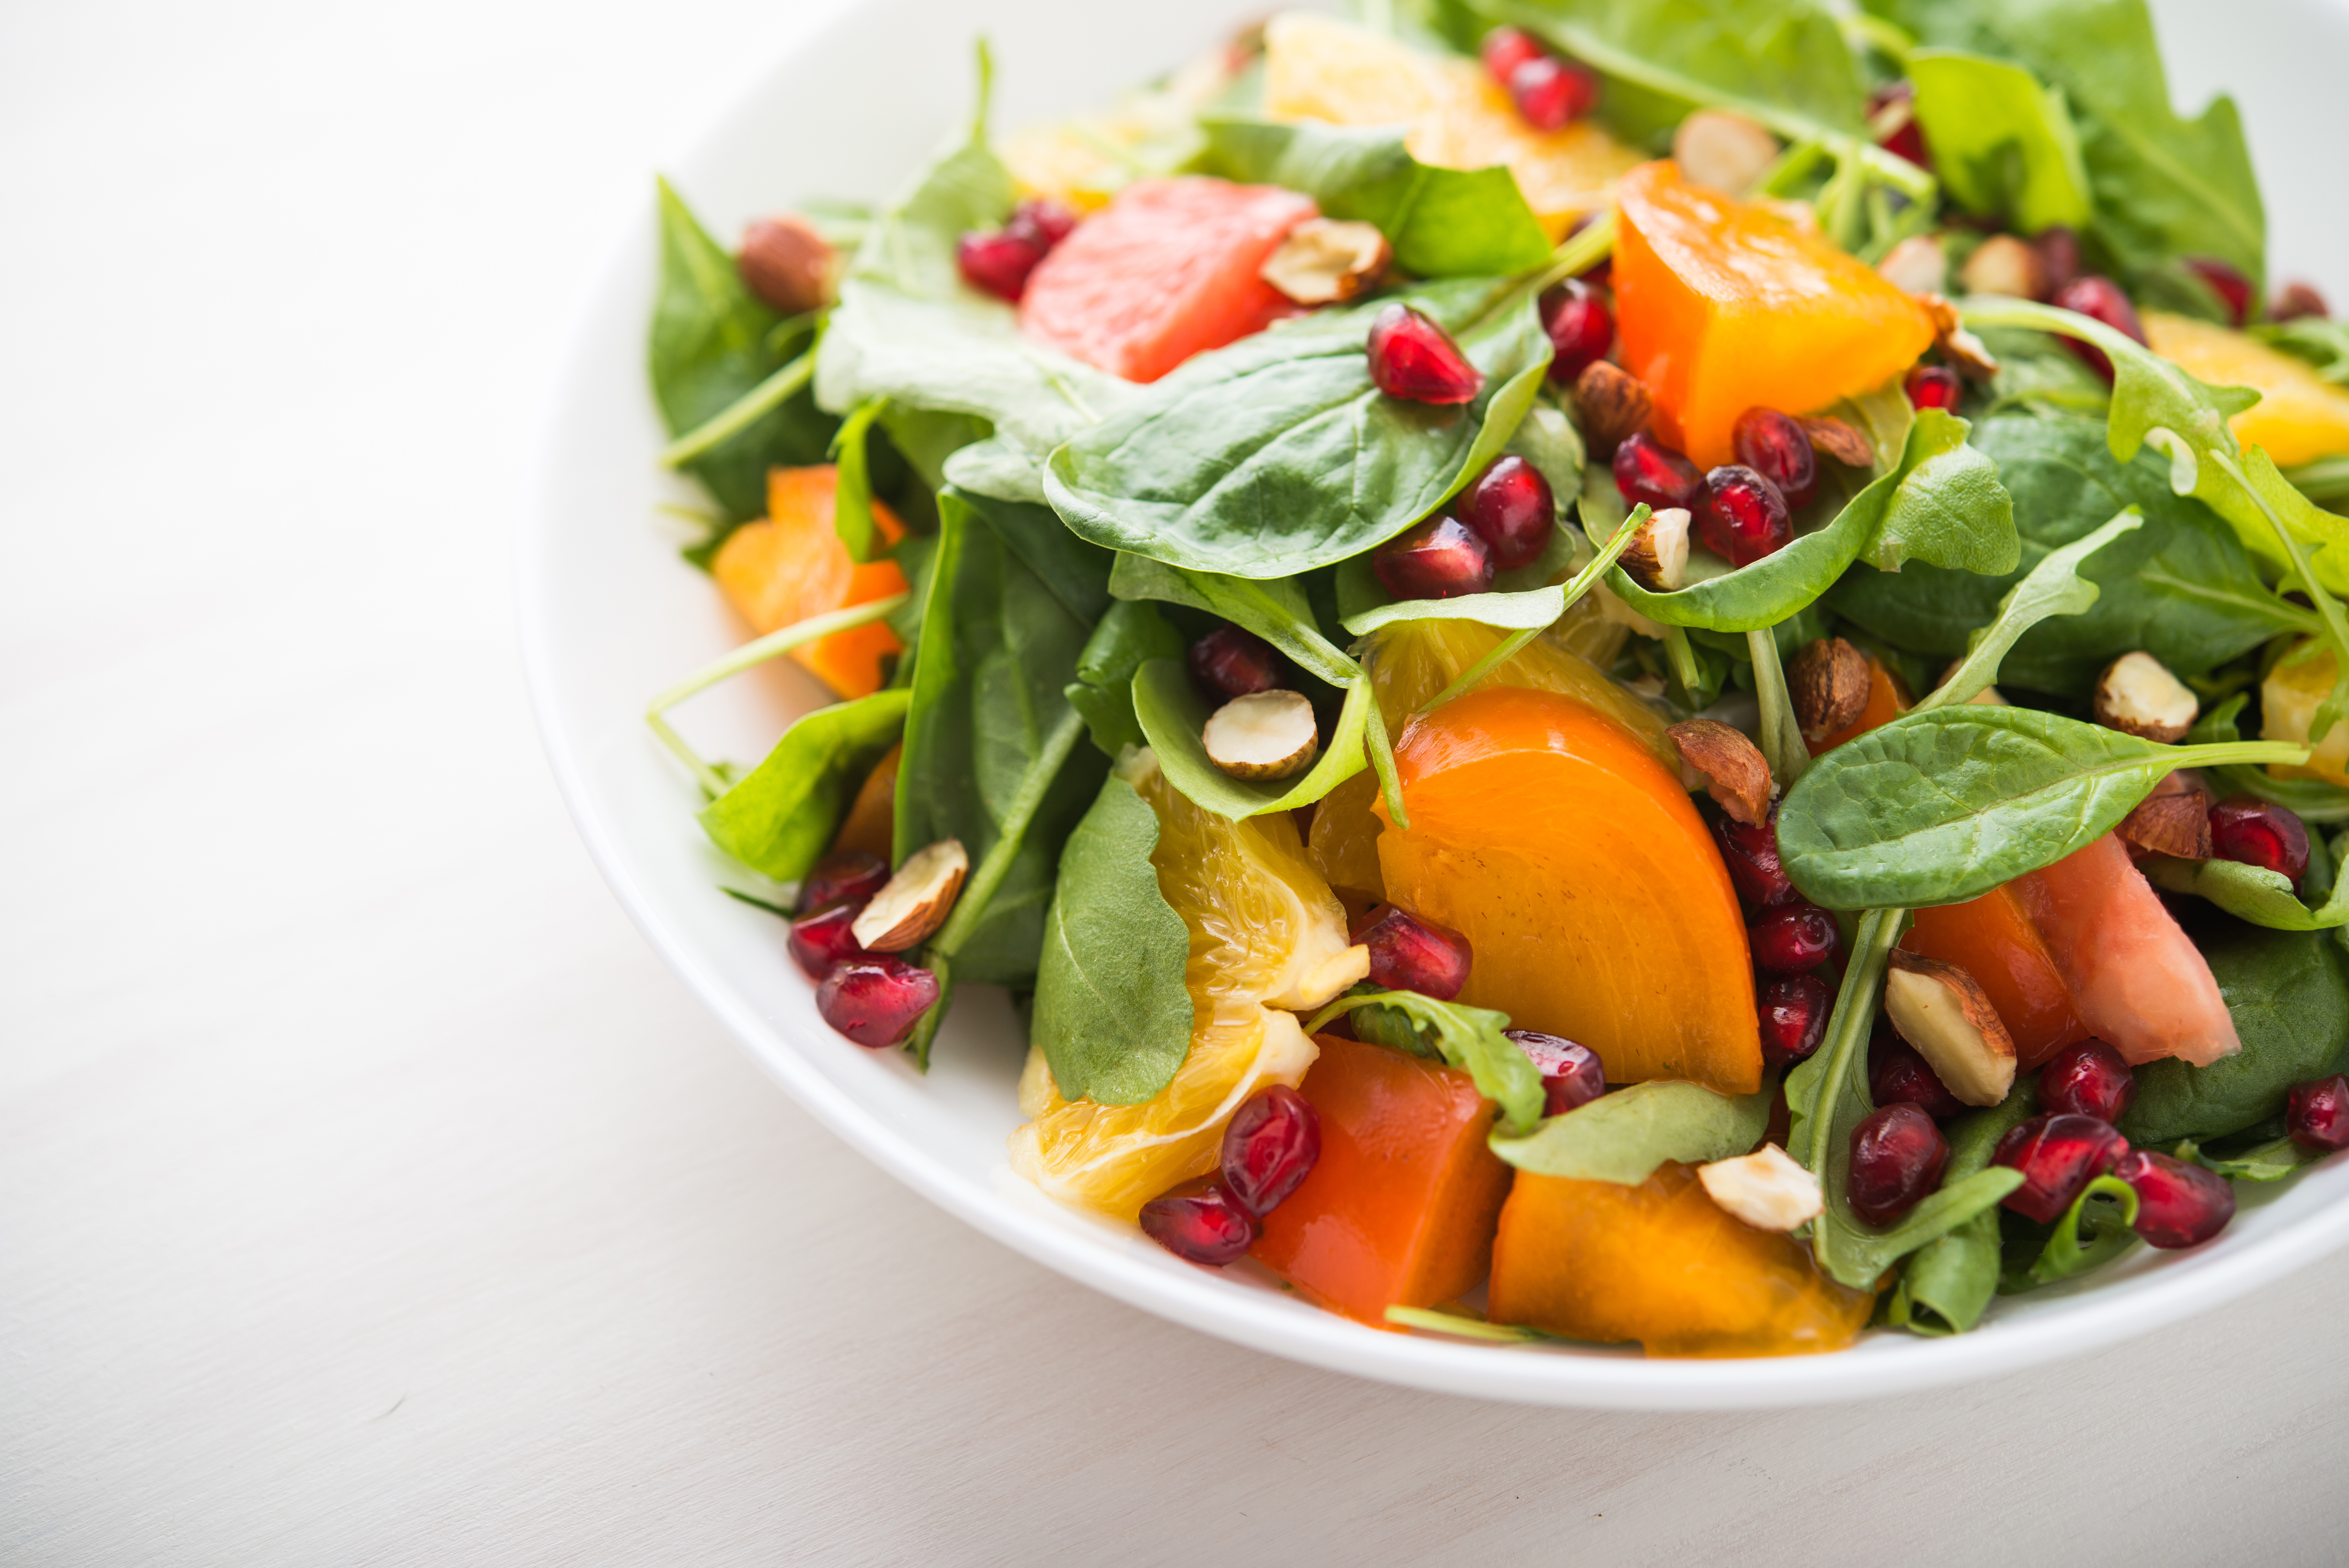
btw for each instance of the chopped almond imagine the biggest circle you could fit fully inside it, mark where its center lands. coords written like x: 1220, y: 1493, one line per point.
x: 1962, y: 349
x: 1657, y: 557
x: 1609, y: 404
x: 1726, y: 151
x: 2138, y: 696
x: 1324, y: 261
x: 1838, y: 440
x: 1828, y: 682
x: 913, y: 904
x: 2176, y: 825
x: 1735, y: 774
x: 1263, y: 735
x: 1942, y: 1011
x: 1765, y: 1188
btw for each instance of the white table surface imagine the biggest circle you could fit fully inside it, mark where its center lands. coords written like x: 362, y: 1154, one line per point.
x: 370, y: 1194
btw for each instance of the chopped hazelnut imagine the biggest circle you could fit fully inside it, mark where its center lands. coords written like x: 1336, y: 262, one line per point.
x: 1263, y: 735
x: 1735, y: 774
x: 1828, y: 681
x: 2138, y: 696
x: 1657, y: 557
x: 912, y: 904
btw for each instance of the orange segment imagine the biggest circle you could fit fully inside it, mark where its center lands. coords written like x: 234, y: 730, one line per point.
x: 2300, y: 417
x: 2289, y: 699
x: 792, y: 564
x: 1726, y: 305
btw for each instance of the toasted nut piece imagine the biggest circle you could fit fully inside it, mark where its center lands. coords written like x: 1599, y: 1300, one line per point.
x: 1657, y: 557
x: 2176, y: 825
x: 1917, y: 266
x: 1962, y: 349
x: 1263, y: 735
x: 788, y: 264
x: 1724, y: 151
x: 1940, y: 1009
x: 2004, y: 264
x: 1324, y: 261
x: 2138, y: 696
x: 915, y: 902
x: 1609, y: 404
x: 1828, y: 683
x: 1735, y: 774
x: 1764, y: 1188
x: 1838, y: 440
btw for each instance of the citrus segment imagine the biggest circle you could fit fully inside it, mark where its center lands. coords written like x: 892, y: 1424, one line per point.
x: 2299, y: 415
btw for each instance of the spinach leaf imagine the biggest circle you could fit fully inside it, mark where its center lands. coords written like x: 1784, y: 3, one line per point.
x: 2271, y: 1161
x: 779, y: 818
x: 2003, y: 144
x: 1128, y: 634
x: 2053, y: 587
x: 929, y: 438
x: 1526, y: 611
x: 1172, y: 713
x: 1078, y: 574
x: 852, y: 506
x: 1943, y: 505
x: 1624, y: 1136
x: 2310, y: 799
x: 2290, y: 1000
x: 1112, y: 1015
x: 1947, y: 1285
x: 2107, y: 1208
x: 1275, y: 609
x: 2318, y: 339
x: 1442, y: 222
x: 1469, y: 1038
x: 1277, y: 454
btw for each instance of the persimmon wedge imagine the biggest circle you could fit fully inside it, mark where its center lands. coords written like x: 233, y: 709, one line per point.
x: 790, y: 564
x: 1588, y: 886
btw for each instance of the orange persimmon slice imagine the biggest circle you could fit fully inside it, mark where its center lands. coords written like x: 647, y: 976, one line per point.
x: 792, y: 564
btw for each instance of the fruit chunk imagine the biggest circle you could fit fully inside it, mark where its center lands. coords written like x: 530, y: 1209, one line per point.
x: 2299, y: 417
x: 1167, y: 270
x: 2288, y: 704
x: 1401, y: 1206
x: 1588, y: 886
x: 1725, y: 305
x: 1663, y: 1265
x: 1992, y: 939
x: 792, y: 564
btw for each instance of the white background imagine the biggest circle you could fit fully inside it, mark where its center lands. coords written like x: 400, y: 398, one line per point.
x: 369, y: 1192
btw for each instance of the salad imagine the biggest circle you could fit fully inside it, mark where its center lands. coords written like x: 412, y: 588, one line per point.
x: 1638, y: 673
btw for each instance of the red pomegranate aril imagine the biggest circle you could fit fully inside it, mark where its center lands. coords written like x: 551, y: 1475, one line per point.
x: 1200, y: 1227
x: 2099, y: 299
x: 1793, y: 1017
x: 1934, y: 387
x: 1413, y: 358
x: 1744, y: 516
x: 874, y: 1000
x: 997, y: 263
x: 821, y: 940
x: 2297, y: 301
x: 2086, y: 1078
x: 1907, y: 139
x: 1897, y: 1074
x: 1750, y: 854
x: 2316, y: 1113
x: 1441, y: 557
x: 1552, y: 93
x: 2177, y: 1204
x: 2059, y: 253
x: 841, y: 877
x: 1232, y: 661
x: 1041, y: 220
x: 2260, y: 833
x: 1571, y: 1073
x: 1794, y: 939
x: 1581, y: 328
x: 1408, y: 954
x: 1511, y: 507
x: 1773, y: 446
x: 1505, y: 48
x: 2059, y: 1155
x: 1647, y: 470
x: 2233, y: 289
x: 1896, y: 1156
x: 1269, y: 1146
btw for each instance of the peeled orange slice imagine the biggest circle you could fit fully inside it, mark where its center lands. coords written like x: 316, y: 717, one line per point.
x: 2299, y: 415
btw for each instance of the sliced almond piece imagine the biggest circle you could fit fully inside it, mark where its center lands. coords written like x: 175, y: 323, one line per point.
x: 1764, y: 1188
x: 915, y: 902
x: 1609, y: 404
x: 1726, y: 151
x: 2004, y: 264
x: 2138, y: 696
x: 1736, y: 773
x: 1940, y: 1009
x: 1657, y: 557
x: 1263, y: 735
x: 1828, y: 683
x: 1838, y: 440
x: 1324, y: 261
x: 2176, y: 825
x: 1962, y: 349
x: 1917, y: 266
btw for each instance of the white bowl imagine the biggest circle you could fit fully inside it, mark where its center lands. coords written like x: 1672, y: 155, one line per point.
x: 611, y: 615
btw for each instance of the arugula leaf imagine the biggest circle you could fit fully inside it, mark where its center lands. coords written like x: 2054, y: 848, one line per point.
x: 1624, y: 1135
x: 1113, y: 1014
x: 2003, y: 144
x: 2053, y: 587
x: 2269, y: 1162
x: 1947, y: 1284
x: 1468, y: 1037
x: 1277, y: 454
x: 2289, y: 998
x: 1172, y: 713
x: 781, y: 817
x: 2320, y: 340
x: 2252, y: 894
x: 1442, y: 222
x: 2064, y: 1255
x: 1130, y: 633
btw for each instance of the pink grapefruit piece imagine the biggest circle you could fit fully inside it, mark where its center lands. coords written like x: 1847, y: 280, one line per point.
x: 1167, y: 270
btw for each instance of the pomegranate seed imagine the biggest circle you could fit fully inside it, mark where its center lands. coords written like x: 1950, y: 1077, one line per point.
x: 1041, y: 220
x: 1408, y: 954
x: 2295, y: 300
x: 874, y: 1000
x: 1773, y: 446
x: 1439, y: 558
x: 1551, y: 93
x: 1571, y: 1074
x: 1231, y: 661
x: 1505, y: 48
x: 2177, y: 1204
x: 1511, y: 507
x: 1750, y: 854
x: 1897, y: 1074
x: 2088, y: 1079
x: 1199, y: 1227
x: 2260, y: 833
x: 2059, y: 1155
x: 1908, y: 141
x: 2316, y: 1113
x: 821, y: 940
x: 1581, y: 328
x: 1934, y: 387
x: 1794, y: 1018
x: 1896, y: 1156
x: 1794, y: 939
x: 997, y: 263
x: 2059, y: 253
x: 2233, y: 289
x: 2099, y: 299
x: 1412, y: 357
x: 1744, y: 516
x: 1647, y: 470
x: 1269, y: 1147
x: 841, y: 876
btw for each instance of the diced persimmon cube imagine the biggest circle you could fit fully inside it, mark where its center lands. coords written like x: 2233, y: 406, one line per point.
x: 792, y: 564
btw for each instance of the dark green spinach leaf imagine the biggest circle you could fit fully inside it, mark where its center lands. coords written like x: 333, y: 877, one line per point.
x: 1130, y: 633
x: 1947, y: 1285
x: 1172, y: 713
x: 2290, y: 1001
x: 1624, y: 1135
x: 781, y: 818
